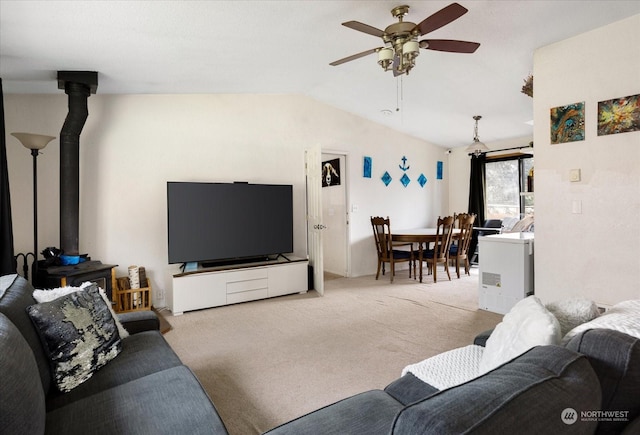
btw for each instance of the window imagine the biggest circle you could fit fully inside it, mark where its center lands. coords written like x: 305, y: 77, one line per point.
x: 506, y: 184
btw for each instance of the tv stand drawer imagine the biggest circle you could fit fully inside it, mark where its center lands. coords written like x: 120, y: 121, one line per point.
x: 246, y: 285
x: 249, y: 295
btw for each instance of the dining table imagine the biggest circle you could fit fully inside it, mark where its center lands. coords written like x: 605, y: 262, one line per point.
x: 420, y: 236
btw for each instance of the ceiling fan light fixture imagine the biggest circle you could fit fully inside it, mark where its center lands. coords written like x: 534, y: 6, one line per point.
x: 477, y: 147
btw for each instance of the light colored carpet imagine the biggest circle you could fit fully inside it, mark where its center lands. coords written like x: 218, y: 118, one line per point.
x: 266, y: 362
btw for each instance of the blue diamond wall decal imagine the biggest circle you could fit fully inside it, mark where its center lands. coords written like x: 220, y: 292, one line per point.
x: 386, y: 178
x: 422, y: 180
x: 405, y: 180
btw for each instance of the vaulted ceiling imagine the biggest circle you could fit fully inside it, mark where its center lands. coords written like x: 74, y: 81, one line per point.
x: 285, y: 47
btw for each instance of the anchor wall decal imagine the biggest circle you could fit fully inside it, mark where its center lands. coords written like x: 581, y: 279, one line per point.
x: 404, y: 166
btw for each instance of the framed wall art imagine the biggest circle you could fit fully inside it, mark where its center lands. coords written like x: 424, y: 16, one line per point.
x: 567, y: 123
x: 620, y: 115
x: 366, y: 167
x: 331, y: 173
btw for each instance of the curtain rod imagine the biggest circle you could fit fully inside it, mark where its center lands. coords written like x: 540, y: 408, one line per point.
x: 506, y: 149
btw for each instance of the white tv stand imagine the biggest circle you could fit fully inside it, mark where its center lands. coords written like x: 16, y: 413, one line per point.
x: 224, y: 285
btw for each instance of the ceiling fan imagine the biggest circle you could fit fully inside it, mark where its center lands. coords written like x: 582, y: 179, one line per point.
x: 401, y: 39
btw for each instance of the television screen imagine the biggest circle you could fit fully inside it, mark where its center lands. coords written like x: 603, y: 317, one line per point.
x: 210, y: 222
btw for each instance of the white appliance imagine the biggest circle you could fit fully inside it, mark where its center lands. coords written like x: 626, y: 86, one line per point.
x: 506, y: 270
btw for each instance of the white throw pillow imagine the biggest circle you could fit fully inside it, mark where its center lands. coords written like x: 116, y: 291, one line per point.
x: 623, y: 317
x: 573, y: 312
x: 52, y: 294
x: 526, y: 325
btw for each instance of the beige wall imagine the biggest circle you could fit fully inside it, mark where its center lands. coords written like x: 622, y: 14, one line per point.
x: 595, y: 253
x: 133, y: 144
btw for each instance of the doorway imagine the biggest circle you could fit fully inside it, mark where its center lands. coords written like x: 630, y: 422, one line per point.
x: 335, y: 215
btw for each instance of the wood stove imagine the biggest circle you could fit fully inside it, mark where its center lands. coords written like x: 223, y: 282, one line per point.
x: 78, y: 85
x: 104, y: 275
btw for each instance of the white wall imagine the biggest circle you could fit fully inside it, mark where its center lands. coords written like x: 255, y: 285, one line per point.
x: 594, y: 254
x: 132, y: 145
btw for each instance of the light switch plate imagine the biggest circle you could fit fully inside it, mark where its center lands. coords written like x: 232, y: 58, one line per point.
x: 576, y: 206
x: 574, y: 175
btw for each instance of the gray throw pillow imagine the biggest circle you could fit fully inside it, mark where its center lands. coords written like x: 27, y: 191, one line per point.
x: 79, y: 335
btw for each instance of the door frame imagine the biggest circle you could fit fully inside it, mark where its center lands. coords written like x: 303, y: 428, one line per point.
x: 346, y: 177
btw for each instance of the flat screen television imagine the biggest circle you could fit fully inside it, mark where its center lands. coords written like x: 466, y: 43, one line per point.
x: 225, y: 222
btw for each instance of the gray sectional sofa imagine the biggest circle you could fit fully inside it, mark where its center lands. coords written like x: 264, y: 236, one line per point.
x: 589, y: 386
x: 144, y: 390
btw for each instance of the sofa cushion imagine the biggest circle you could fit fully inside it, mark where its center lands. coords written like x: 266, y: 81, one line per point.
x: 526, y: 325
x: 22, y: 408
x: 366, y: 413
x: 52, y: 294
x: 15, y: 297
x: 79, y: 335
x: 168, y: 402
x: 615, y: 357
x: 531, y: 391
x: 142, y: 354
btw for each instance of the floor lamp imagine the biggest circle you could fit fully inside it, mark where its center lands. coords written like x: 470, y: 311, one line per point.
x: 34, y: 142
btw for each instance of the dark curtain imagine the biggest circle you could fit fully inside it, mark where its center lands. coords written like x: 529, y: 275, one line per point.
x: 476, y: 195
x: 477, y: 188
x: 7, y: 264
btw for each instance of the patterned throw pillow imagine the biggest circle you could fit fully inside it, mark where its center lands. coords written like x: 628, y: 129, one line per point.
x: 79, y: 335
x: 51, y: 294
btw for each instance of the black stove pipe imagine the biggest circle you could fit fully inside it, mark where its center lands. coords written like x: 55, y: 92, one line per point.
x: 78, y: 86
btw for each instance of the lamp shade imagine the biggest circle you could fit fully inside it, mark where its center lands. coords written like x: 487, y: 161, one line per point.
x: 33, y: 141
x: 411, y: 49
x: 385, y: 54
x: 477, y: 147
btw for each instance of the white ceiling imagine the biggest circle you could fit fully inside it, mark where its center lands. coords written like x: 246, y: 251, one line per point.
x: 284, y: 47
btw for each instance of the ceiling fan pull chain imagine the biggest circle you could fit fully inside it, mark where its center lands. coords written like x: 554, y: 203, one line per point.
x: 399, y: 94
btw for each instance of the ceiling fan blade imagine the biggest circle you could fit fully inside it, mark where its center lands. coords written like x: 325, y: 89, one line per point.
x: 441, y: 18
x: 354, y: 57
x: 449, y: 45
x: 361, y: 27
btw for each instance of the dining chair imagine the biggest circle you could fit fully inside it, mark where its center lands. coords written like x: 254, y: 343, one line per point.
x: 385, y: 247
x: 440, y: 252
x: 489, y: 227
x: 459, y: 251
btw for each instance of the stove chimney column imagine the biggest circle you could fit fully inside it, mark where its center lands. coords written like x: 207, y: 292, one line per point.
x: 78, y: 85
